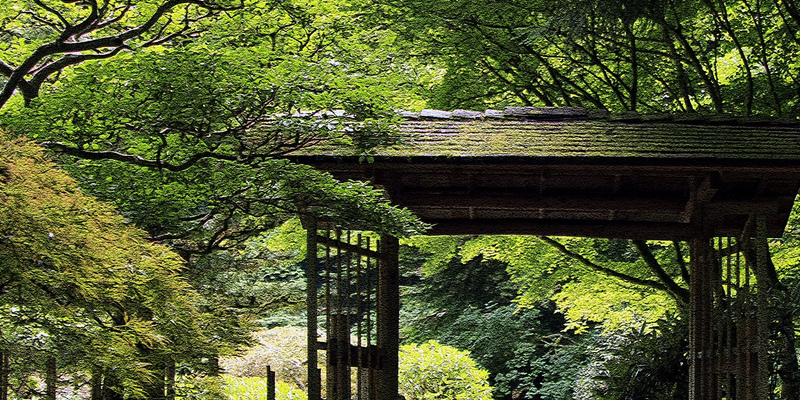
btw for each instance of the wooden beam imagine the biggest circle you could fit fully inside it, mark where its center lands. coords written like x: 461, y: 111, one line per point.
x: 351, y: 248
x: 312, y: 275
x: 412, y: 199
x: 701, y: 191
x: 599, y: 229
x: 388, y: 319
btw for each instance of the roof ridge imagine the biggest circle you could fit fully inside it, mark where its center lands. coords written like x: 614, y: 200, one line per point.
x: 580, y: 113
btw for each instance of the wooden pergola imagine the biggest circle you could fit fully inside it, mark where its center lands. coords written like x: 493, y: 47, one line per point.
x: 569, y: 172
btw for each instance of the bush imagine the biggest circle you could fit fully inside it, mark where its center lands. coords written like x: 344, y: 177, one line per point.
x: 434, y: 371
x: 283, y: 349
x: 254, y: 388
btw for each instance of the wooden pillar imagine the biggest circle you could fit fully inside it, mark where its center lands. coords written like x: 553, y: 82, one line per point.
x: 338, y: 365
x: 4, y: 373
x: 51, y: 378
x: 314, y: 384
x: 764, y: 314
x: 270, y: 383
x: 701, y: 344
x: 388, y: 319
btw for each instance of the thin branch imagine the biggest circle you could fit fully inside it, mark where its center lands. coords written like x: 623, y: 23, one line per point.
x: 67, y: 60
x: 681, y: 261
x: 610, y: 272
x: 679, y: 293
x: 136, y: 160
x: 54, y: 12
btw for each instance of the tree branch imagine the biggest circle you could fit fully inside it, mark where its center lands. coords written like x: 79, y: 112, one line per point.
x: 681, y: 261
x: 65, y: 61
x: 675, y: 290
x: 61, y: 45
x: 598, y: 268
x: 136, y: 160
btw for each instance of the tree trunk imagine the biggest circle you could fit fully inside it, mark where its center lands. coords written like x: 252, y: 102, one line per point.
x: 781, y: 310
x: 97, y: 384
x: 110, y: 391
x: 170, y: 375
x: 51, y: 379
x: 4, y: 372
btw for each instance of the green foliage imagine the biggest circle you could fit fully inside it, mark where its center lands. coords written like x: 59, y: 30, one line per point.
x: 467, y: 303
x: 283, y: 349
x: 637, y: 364
x: 625, y: 55
x: 199, y: 387
x: 82, y: 286
x: 188, y: 134
x: 434, y: 371
x: 585, y: 295
x: 41, y: 38
x: 255, y: 388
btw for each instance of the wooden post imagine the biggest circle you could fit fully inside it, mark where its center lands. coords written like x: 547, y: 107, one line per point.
x: 388, y: 319
x: 700, y: 334
x: 314, y: 384
x: 51, y: 378
x: 4, y: 372
x: 338, y: 357
x: 270, y: 383
x: 764, y: 315
x: 170, y: 376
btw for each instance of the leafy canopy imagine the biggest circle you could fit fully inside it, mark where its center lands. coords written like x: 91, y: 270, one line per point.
x: 81, y: 285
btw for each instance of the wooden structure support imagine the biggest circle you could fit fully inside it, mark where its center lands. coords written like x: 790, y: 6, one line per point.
x: 388, y: 319
x: 312, y: 275
x: 724, y: 186
x: 357, y: 280
x: 729, y: 316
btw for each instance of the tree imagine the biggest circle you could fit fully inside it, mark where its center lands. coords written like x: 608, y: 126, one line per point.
x: 41, y: 38
x: 199, y: 125
x: 623, y: 55
x: 80, y: 287
x: 184, y: 135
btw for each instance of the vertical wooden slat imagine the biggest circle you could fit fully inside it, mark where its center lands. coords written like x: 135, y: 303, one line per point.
x: 339, y: 332
x: 312, y: 274
x: 329, y: 303
x: 729, y: 354
x: 718, y: 322
x: 372, y: 376
x: 4, y: 372
x: 741, y: 326
x: 388, y: 318
x: 700, y: 333
x: 270, y: 383
x: 762, y: 304
x: 359, y: 343
x: 748, y: 388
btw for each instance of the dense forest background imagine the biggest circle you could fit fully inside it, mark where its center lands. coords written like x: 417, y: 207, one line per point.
x: 176, y: 113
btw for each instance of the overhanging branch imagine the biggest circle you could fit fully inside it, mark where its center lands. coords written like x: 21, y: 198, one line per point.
x: 599, y: 268
x: 679, y: 293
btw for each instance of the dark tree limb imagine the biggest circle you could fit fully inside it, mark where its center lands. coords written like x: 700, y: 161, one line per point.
x: 599, y: 268
x: 675, y: 290
x: 681, y: 261
x: 69, y: 43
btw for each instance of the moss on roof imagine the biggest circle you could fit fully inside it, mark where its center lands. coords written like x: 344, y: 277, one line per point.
x: 554, y: 132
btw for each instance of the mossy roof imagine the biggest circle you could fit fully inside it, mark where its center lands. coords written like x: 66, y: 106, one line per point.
x: 557, y: 133
x: 556, y: 171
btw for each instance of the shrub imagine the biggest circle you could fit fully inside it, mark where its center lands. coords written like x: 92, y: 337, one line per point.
x: 255, y: 388
x: 434, y: 371
x: 283, y: 349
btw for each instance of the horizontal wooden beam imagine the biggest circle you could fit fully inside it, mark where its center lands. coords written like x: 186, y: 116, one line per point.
x: 598, y: 229
x: 344, y: 246
x: 537, y: 201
